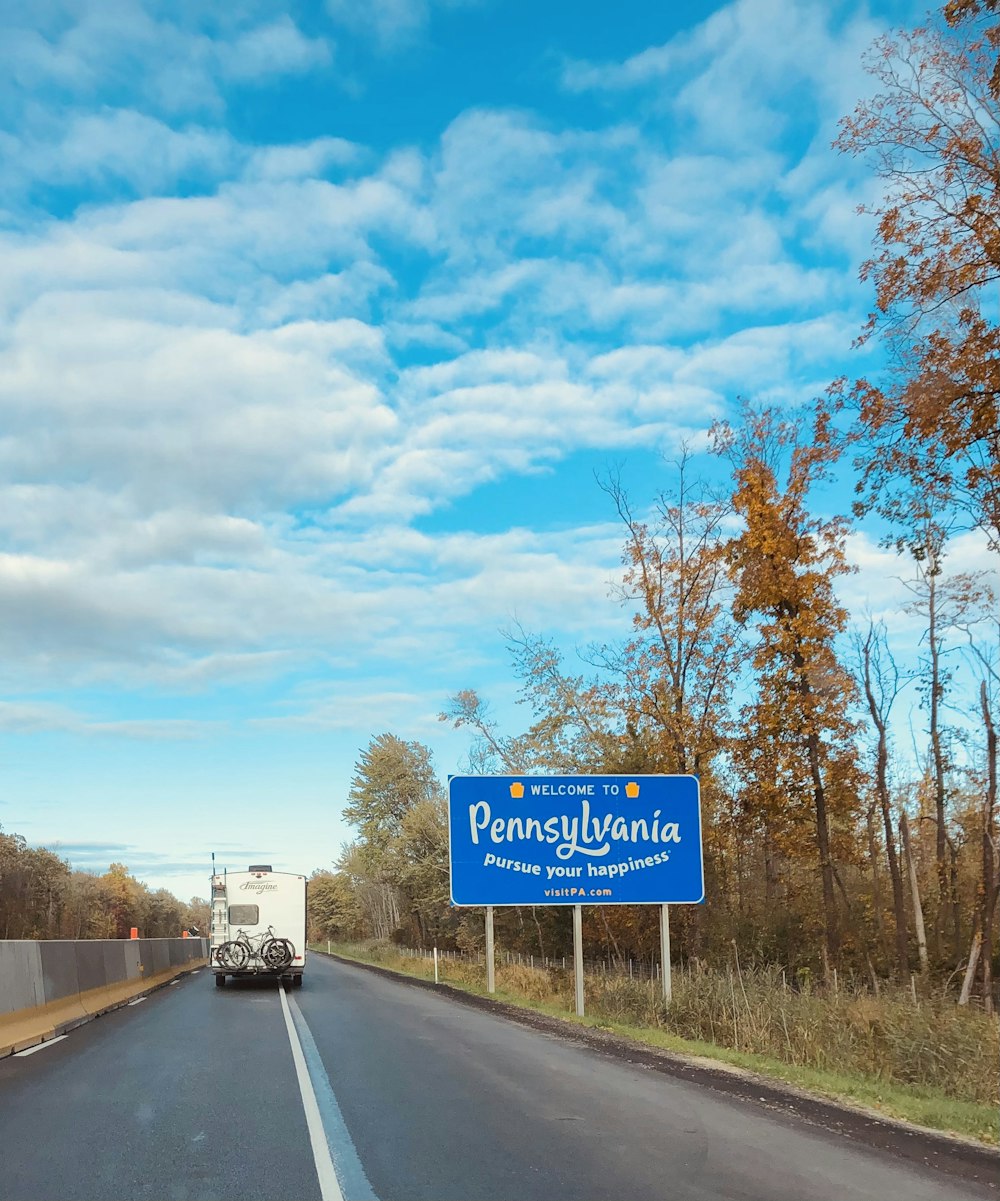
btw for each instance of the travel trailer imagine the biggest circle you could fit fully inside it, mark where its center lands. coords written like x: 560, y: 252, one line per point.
x: 258, y: 925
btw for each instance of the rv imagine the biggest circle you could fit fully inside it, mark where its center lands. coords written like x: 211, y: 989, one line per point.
x: 258, y: 925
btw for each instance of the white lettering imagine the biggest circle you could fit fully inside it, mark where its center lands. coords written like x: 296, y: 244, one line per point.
x: 583, y: 834
x: 475, y: 823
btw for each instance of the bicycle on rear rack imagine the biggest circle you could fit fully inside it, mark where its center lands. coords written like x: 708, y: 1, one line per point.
x: 256, y: 953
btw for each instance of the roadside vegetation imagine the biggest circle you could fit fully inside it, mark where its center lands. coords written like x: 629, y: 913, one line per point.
x: 928, y: 1062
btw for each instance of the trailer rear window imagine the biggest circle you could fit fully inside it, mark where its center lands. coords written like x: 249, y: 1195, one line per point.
x: 244, y: 915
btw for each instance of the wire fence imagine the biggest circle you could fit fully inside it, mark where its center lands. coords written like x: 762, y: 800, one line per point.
x: 633, y: 969
x: 649, y: 970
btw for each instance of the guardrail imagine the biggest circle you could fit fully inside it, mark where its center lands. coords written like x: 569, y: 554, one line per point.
x: 49, y: 987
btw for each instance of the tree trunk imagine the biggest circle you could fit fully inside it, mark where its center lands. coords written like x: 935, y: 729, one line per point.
x: 956, y: 911
x: 873, y: 858
x: 538, y: 928
x: 823, y: 846
x: 770, y: 875
x: 612, y: 941
x: 918, y: 913
x: 879, y: 716
x: 970, y: 971
x: 937, y: 751
x: 989, y: 894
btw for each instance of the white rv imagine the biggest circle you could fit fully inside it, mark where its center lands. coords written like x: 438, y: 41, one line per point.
x: 258, y: 924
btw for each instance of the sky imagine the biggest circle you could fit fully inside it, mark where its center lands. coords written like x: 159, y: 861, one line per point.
x: 319, y: 323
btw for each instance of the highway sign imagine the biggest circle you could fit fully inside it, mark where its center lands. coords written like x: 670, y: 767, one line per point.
x: 572, y: 840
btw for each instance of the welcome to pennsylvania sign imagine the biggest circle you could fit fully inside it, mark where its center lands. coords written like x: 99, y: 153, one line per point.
x: 572, y: 840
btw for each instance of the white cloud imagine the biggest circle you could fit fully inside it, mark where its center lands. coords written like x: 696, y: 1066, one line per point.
x: 33, y: 717
x: 302, y: 160
x: 391, y: 23
x: 278, y: 48
x: 388, y: 21
x: 172, y: 60
x: 120, y: 145
x: 726, y: 71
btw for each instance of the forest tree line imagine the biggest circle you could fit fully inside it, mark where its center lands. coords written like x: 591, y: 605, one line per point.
x: 41, y: 896
x: 825, y: 845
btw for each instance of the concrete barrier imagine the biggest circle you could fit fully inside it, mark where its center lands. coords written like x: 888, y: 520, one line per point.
x: 47, y: 988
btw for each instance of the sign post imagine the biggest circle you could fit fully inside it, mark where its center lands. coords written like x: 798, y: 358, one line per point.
x: 665, y: 953
x: 491, y: 974
x: 575, y: 840
x: 578, y: 957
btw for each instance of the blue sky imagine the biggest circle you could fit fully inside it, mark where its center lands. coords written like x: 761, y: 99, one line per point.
x: 317, y: 322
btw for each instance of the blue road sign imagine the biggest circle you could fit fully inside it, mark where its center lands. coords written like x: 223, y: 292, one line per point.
x: 575, y: 840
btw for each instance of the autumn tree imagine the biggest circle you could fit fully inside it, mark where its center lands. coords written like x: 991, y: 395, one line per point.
x: 784, y: 563
x: 932, y: 135
x: 196, y: 916
x: 675, y: 674
x: 121, y: 894
x: 33, y: 889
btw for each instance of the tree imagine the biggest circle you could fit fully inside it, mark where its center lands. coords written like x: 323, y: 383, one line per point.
x: 932, y: 133
x: 333, y: 911
x: 784, y: 562
x: 366, y: 871
x: 122, y: 901
x: 677, y: 669
x: 986, y: 658
x: 881, y: 682
x: 196, y: 916
x: 390, y: 778
x: 421, y: 866
x: 945, y: 603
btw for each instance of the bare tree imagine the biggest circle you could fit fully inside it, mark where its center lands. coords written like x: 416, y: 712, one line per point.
x: 882, y: 684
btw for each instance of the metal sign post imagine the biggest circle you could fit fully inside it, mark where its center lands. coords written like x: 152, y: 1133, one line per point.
x: 491, y: 974
x: 578, y: 956
x: 665, y: 953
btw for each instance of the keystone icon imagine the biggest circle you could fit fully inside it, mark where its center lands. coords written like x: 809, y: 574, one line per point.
x: 517, y: 791
x: 631, y: 789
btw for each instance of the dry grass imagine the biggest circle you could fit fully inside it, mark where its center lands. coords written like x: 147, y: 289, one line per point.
x: 933, y: 1045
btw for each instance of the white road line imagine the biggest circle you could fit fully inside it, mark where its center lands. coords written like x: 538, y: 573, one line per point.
x: 329, y: 1186
x: 350, y: 1174
x: 137, y: 1001
x: 49, y: 1042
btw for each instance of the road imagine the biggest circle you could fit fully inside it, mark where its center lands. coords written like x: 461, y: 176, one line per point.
x: 358, y: 1086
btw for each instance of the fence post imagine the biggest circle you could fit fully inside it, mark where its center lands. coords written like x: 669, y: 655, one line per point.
x: 435, y: 965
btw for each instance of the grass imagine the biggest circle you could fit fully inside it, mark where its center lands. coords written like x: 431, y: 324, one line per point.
x: 932, y: 1064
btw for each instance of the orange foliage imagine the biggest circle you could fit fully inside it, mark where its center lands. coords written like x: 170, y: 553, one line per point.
x: 932, y: 133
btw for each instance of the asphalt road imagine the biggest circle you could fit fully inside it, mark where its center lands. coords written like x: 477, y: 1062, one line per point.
x: 359, y: 1087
